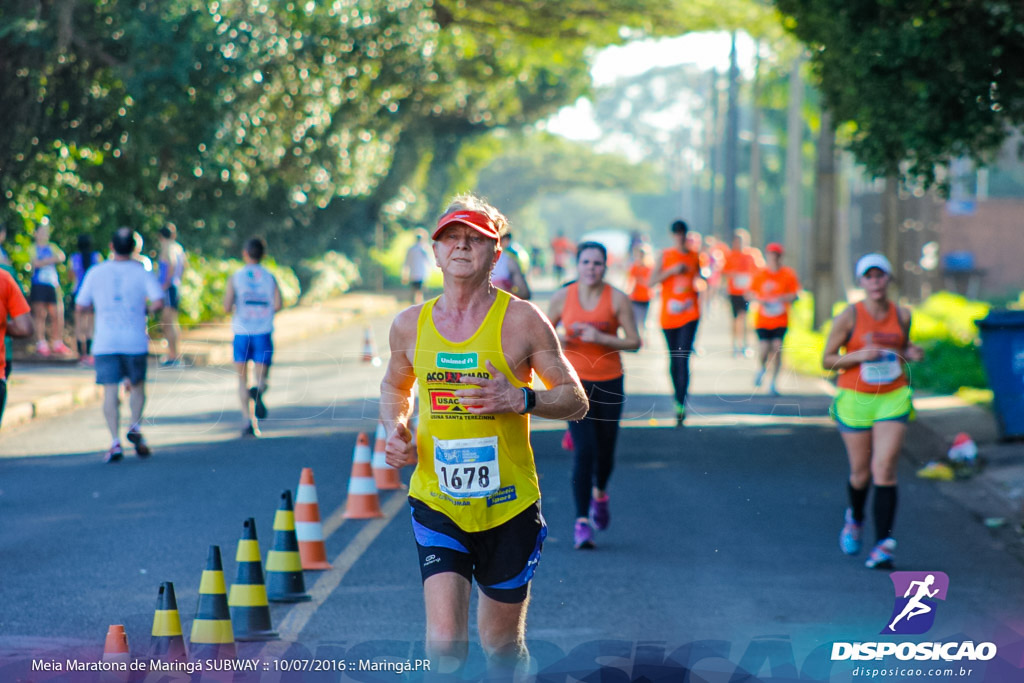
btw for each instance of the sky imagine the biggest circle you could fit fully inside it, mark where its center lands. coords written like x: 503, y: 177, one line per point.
x: 706, y: 50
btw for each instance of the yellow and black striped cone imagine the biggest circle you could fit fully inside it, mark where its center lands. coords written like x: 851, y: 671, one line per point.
x: 284, y: 565
x: 212, y: 637
x: 250, y: 611
x: 168, y: 643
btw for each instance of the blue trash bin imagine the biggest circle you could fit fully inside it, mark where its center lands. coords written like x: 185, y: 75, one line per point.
x: 1002, y: 353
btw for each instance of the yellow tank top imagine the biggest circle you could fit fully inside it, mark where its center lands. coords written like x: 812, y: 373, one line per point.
x: 476, y: 469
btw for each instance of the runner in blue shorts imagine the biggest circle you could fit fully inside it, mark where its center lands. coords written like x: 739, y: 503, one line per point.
x: 253, y: 297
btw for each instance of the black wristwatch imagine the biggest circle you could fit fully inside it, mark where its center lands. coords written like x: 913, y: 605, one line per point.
x: 530, y: 399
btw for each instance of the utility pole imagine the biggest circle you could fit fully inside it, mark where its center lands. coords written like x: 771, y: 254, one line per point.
x: 794, y: 169
x: 732, y: 133
x: 712, y: 147
x: 823, y: 245
x: 754, y: 202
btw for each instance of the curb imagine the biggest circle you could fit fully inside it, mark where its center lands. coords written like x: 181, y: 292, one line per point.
x: 218, y: 354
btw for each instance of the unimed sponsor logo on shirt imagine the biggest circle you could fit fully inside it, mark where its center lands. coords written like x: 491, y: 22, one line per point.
x: 457, y: 361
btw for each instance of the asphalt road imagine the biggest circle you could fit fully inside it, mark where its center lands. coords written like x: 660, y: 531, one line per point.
x: 721, y: 556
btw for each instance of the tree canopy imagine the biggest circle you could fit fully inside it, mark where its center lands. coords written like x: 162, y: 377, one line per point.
x: 309, y: 122
x: 918, y: 81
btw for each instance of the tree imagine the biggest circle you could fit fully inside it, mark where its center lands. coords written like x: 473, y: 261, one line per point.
x: 918, y: 81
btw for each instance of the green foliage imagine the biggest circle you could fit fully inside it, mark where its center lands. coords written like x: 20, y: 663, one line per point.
x: 957, y: 67
x: 303, y: 122
x: 326, y: 277
x: 205, y: 280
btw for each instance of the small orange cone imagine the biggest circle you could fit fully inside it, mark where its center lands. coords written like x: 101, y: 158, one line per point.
x: 369, y: 352
x: 308, y: 527
x: 116, y: 647
x: 362, y: 501
x: 115, y: 652
x: 385, y: 476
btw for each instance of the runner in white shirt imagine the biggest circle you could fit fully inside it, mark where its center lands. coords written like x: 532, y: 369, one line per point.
x: 418, y: 262
x: 121, y: 292
x: 253, y: 296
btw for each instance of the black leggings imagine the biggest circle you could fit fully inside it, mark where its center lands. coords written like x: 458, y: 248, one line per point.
x: 3, y: 386
x: 680, y: 348
x: 594, y: 440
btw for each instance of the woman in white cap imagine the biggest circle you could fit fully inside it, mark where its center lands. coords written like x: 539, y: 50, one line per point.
x: 868, y: 346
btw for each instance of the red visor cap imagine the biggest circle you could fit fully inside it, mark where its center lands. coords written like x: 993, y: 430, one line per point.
x: 774, y: 248
x: 474, y: 219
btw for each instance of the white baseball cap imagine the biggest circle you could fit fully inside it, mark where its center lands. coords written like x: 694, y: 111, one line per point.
x: 869, y: 261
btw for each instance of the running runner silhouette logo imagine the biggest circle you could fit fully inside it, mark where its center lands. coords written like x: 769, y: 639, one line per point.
x: 913, y: 611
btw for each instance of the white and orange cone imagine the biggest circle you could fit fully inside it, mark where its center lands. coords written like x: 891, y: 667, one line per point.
x: 362, y: 501
x: 384, y: 475
x: 115, y: 651
x: 308, y: 527
x: 369, y: 350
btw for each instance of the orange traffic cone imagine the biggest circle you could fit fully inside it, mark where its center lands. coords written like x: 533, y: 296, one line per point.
x: 116, y: 654
x: 369, y: 352
x: 385, y: 476
x: 285, y: 582
x: 115, y: 649
x: 250, y: 611
x: 362, y: 501
x: 168, y: 643
x: 212, y: 637
x: 308, y: 528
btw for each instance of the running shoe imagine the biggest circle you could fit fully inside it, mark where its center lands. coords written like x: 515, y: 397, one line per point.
x: 259, y: 408
x: 759, y: 377
x: 251, y: 431
x: 88, y: 362
x: 582, y: 535
x: 881, y: 556
x: 171, y: 363
x: 773, y: 390
x: 61, y: 348
x: 600, y: 515
x: 114, y: 454
x: 849, y: 537
x: 680, y: 415
x: 42, y: 348
x: 141, y: 447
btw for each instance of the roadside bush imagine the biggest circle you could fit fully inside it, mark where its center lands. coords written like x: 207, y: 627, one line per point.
x: 205, y: 280
x: 329, y: 276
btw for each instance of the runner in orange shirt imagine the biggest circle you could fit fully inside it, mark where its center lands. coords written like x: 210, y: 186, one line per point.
x: 773, y: 288
x: 591, y: 313
x: 561, y: 249
x: 637, y: 284
x: 679, y: 274
x: 741, y: 263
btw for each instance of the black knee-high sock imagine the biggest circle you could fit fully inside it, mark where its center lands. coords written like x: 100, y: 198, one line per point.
x: 858, y: 499
x: 885, y: 511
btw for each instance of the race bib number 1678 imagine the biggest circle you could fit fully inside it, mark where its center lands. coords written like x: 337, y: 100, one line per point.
x: 467, y: 468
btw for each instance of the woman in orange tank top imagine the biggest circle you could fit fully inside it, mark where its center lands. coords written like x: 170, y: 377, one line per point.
x: 638, y: 284
x: 591, y: 313
x: 868, y: 346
